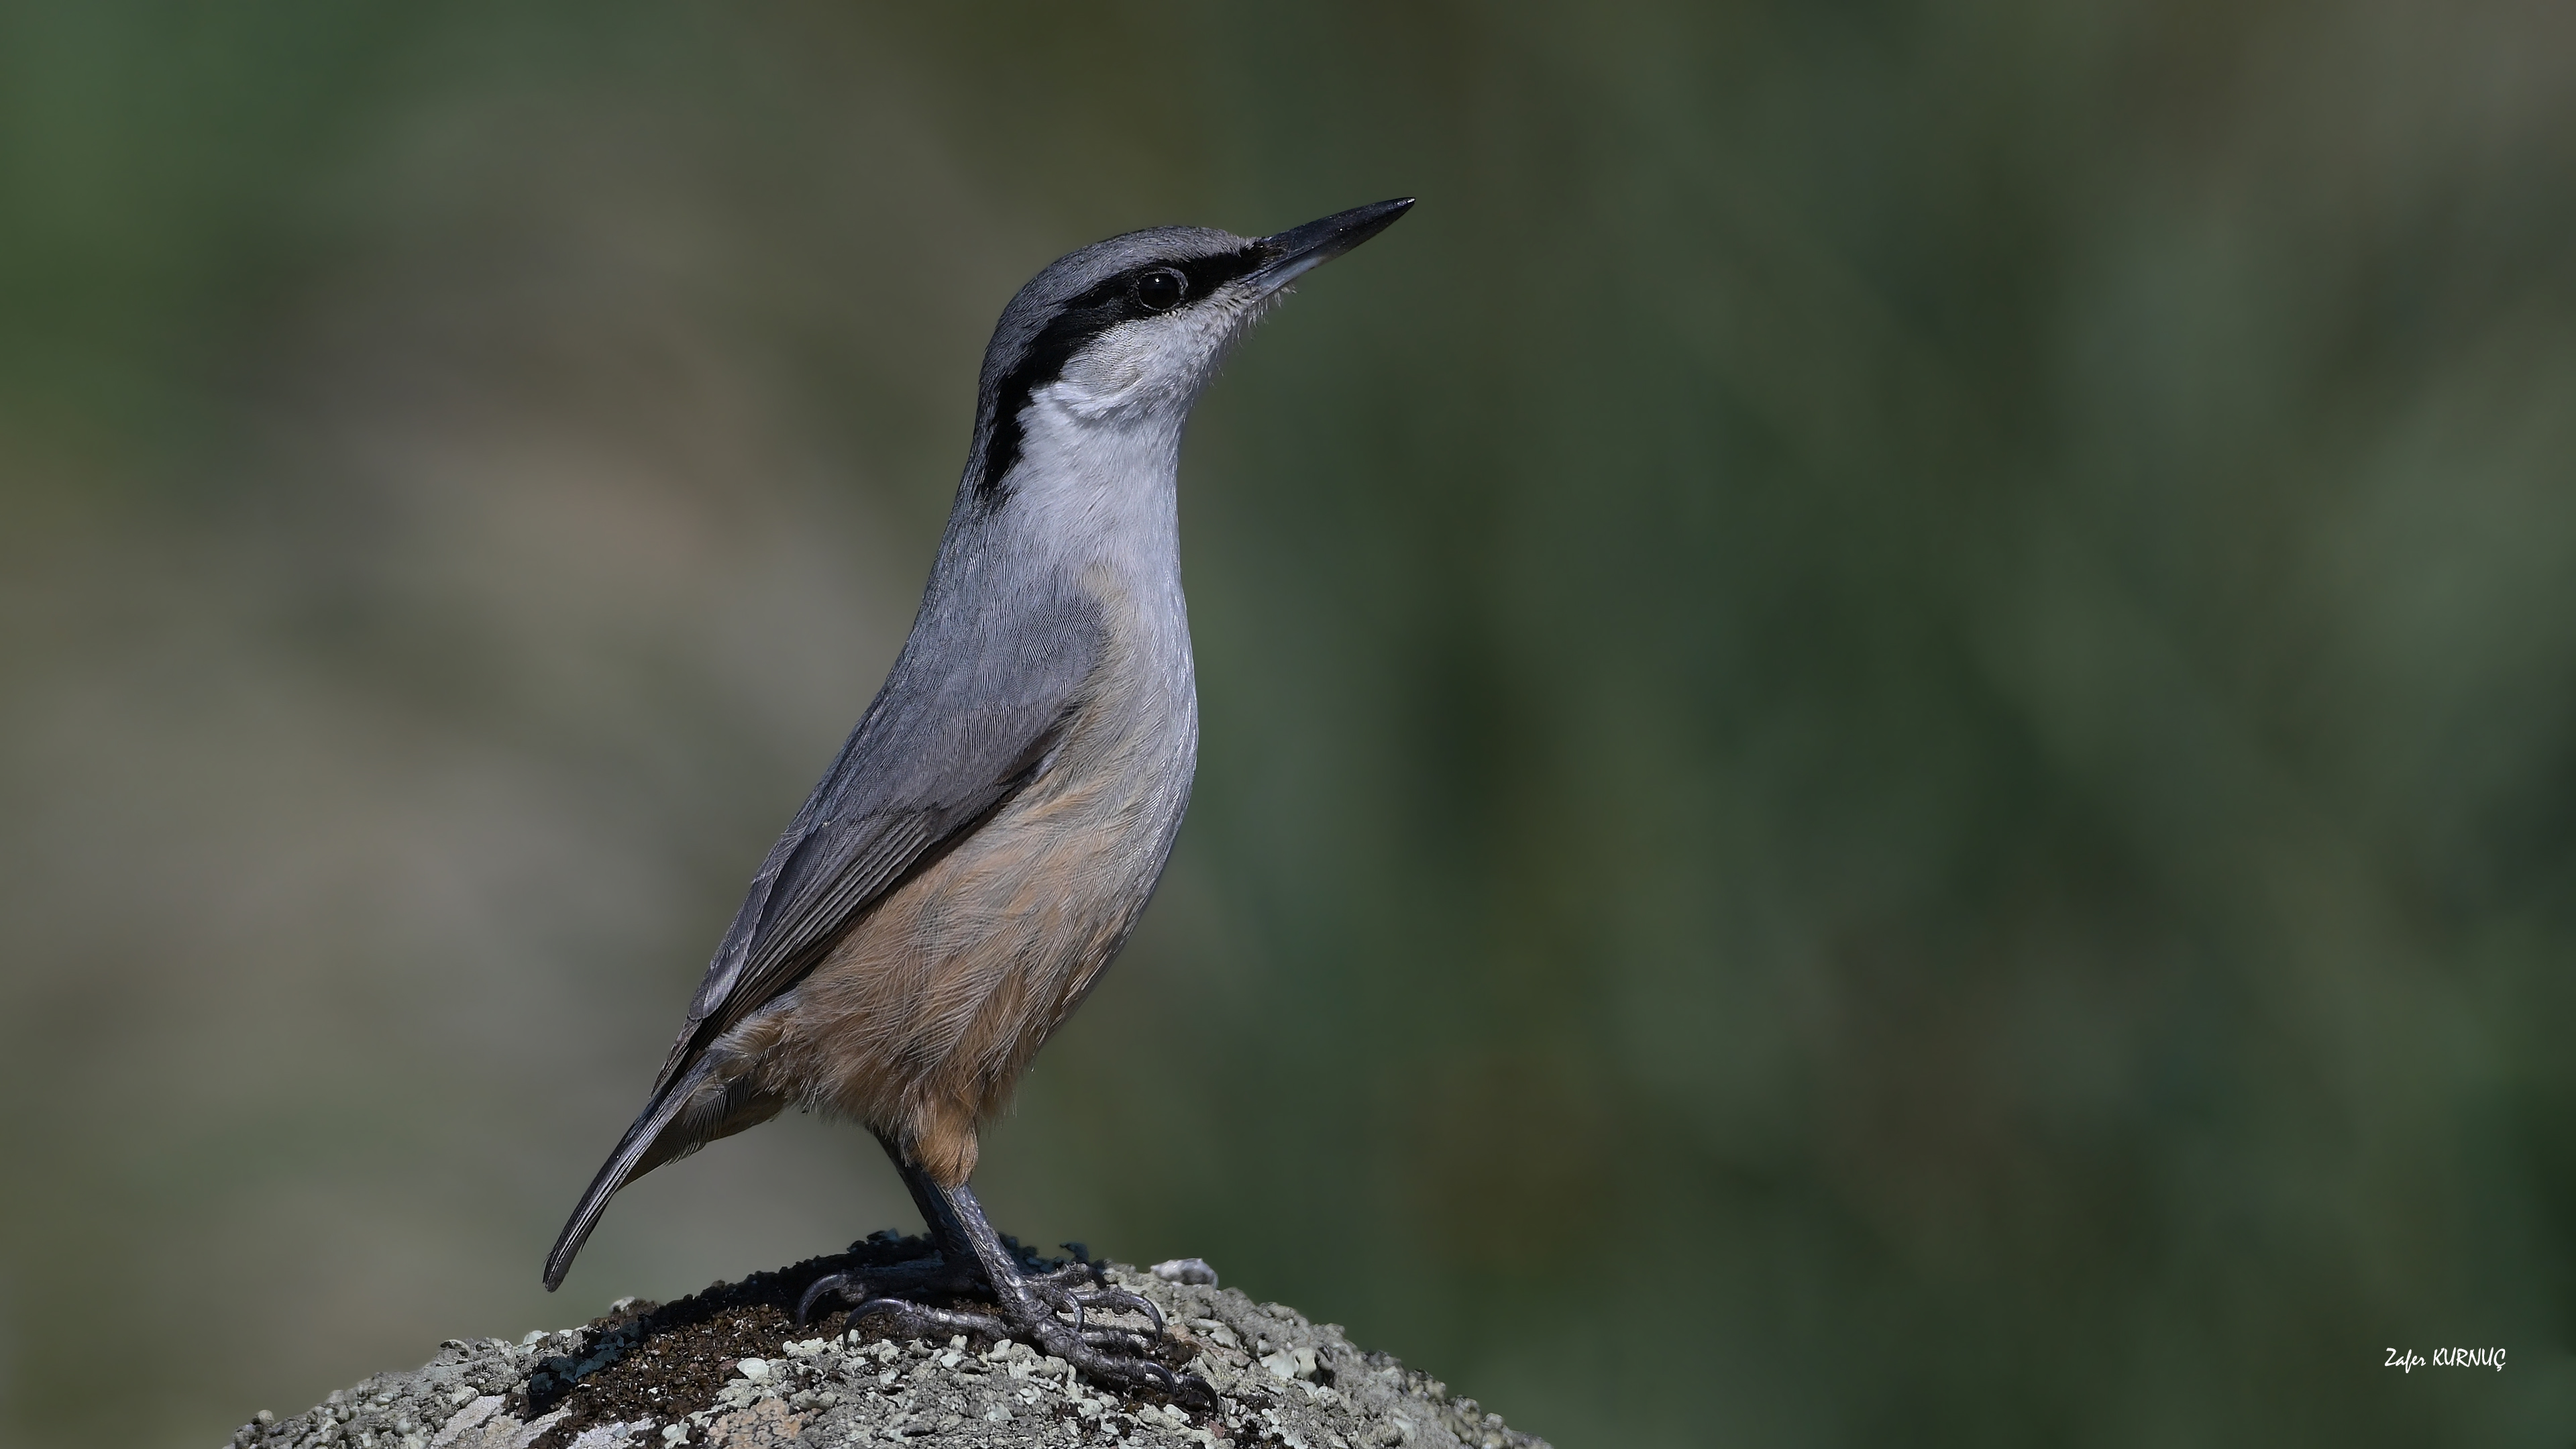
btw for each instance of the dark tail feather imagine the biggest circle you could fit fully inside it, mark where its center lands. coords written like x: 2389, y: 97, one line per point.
x: 624, y: 1165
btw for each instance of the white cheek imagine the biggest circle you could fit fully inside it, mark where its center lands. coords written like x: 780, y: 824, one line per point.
x: 1155, y: 362
x: 1105, y: 373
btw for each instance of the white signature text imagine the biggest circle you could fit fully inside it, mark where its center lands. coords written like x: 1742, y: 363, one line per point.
x: 2485, y: 1358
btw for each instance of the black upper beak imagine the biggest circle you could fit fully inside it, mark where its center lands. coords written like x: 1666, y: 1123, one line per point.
x: 1298, y: 250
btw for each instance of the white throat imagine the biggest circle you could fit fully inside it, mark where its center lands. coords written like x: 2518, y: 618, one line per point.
x: 1098, y: 487
x: 1096, y: 480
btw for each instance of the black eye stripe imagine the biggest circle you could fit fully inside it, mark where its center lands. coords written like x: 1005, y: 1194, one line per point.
x: 1108, y: 302
x: 1206, y: 274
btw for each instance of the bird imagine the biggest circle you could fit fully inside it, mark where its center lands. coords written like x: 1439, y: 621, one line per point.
x: 993, y: 827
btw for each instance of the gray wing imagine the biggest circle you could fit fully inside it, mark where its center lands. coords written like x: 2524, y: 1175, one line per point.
x: 944, y: 744
x: 969, y: 715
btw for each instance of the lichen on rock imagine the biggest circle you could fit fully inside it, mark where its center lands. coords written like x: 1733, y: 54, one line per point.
x: 729, y: 1367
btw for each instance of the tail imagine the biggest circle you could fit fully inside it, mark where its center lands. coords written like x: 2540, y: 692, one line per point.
x: 683, y: 1117
x: 623, y: 1166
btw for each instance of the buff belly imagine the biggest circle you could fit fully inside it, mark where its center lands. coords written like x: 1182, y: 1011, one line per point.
x: 921, y: 1017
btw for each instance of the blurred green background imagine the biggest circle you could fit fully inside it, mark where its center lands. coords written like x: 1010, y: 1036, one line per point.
x: 1890, y: 706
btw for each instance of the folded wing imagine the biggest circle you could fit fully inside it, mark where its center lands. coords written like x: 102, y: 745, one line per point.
x: 938, y: 751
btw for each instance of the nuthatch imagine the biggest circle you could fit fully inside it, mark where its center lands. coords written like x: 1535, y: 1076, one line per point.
x: 994, y: 826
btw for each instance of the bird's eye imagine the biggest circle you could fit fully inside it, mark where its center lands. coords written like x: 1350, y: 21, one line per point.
x: 1161, y: 289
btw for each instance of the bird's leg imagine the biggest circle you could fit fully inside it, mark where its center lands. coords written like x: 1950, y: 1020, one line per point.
x: 955, y: 1271
x: 1045, y: 1310
x: 935, y: 1215
x: 1028, y: 1307
x: 951, y: 1273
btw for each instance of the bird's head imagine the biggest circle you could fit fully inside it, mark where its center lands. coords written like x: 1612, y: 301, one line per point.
x: 1120, y: 336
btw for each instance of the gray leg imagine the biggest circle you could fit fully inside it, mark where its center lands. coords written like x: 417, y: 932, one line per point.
x: 1034, y: 1310
x: 935, y: 1215
x: 1043, y: 1310
x: 952, y: 1273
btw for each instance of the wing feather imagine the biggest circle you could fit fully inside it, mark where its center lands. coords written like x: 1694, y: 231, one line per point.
x: 935, y: 754
x: 969, y: 715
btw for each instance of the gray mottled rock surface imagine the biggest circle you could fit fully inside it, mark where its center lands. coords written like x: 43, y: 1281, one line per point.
x: 728, y: 1367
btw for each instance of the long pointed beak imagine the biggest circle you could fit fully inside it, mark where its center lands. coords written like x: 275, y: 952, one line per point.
x: 1299, y: 250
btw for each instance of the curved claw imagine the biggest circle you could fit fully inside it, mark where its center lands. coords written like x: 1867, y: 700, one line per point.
x: 1121, y: 1298
x: 839, y: 1283
x: 1163, y: 1377
x: 1187, y: 1387
x: 1078, y: 1302
x: 1132, y: 1371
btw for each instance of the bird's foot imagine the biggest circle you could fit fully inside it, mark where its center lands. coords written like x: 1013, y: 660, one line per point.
x: 932, y: 1276
x: 1048, y: 1310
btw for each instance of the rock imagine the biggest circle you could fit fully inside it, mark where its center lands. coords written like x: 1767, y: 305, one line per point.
x: 728, y: 1367
x: 1186, y: 1270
